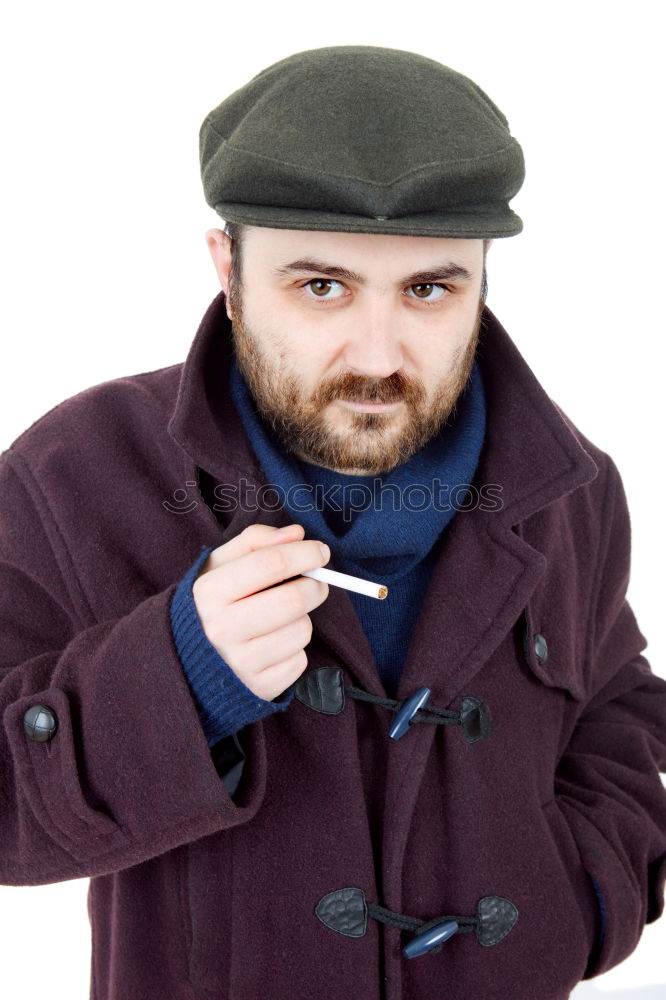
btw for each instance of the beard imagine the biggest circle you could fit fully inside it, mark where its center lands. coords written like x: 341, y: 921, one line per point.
x: 360, y: 443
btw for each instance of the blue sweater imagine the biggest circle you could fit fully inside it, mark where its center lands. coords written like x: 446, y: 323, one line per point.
x: 385, y: 528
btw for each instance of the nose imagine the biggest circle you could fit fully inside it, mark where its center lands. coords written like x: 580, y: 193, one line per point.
x: 374, y: 348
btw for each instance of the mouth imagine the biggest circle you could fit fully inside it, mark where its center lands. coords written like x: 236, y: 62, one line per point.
x: 369, y: 407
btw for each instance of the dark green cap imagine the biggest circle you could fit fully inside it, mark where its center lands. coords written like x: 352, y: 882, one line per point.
x: 359, y: 138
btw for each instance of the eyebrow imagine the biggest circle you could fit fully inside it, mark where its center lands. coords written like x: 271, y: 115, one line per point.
x: 449, y: 271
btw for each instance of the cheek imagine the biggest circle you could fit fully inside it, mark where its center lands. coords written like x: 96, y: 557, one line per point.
x: 436, y: 359
x: 292, y: 363
x: 310, y: 360
x: 462, y: 334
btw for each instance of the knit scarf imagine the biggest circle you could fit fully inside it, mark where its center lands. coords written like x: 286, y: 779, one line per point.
x: 385, y: 528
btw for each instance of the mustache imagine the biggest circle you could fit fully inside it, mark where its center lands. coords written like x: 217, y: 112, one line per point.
x: 357, y: 389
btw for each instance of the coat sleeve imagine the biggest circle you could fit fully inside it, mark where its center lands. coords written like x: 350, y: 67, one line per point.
x: 607, y: 782
x: 128, y: 773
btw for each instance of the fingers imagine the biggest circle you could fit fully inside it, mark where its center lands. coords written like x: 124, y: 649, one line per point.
x: 264, y: 566
x: 285, y: 645
x: 258, y: 622
x: 256, y: 536
x: 262, y: 613
x: 273, y: 681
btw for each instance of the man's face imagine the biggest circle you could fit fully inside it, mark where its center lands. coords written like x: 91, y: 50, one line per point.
x: 326, y: 323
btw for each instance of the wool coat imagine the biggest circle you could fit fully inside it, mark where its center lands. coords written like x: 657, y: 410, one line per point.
x: 521, y: 811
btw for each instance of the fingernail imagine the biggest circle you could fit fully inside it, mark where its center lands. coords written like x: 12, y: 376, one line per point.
x: 325, y: 551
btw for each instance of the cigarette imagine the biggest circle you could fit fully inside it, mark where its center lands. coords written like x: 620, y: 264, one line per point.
x: 347, y: 582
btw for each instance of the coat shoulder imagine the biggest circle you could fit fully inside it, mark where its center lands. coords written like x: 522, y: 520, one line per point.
x: 95, y: 419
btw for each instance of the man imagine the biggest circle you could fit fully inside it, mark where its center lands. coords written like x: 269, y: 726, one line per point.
x: 284, y: 788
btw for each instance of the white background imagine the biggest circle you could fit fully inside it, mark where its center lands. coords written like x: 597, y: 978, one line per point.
x: 105, y: 271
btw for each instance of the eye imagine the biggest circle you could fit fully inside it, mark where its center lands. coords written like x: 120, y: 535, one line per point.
x: 318, y: 288
x: 427, y: 297
x: 311, y: 286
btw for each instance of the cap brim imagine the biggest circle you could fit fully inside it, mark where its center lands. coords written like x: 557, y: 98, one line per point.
x: 477, y: 225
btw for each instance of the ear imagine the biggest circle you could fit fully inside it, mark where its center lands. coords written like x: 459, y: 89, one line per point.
x: 219, y: 244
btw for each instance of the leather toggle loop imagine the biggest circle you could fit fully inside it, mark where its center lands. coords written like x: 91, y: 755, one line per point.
x: 410, y: 707
x: 495, y: 918
x: 344, y: 911
x: 430, y: 939
x: 322, y: 690
x: 474, y: 718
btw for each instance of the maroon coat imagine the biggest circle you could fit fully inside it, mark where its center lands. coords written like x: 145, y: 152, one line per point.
x: 200, y: 892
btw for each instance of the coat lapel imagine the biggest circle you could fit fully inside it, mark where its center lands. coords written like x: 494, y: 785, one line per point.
x: 486, y: 572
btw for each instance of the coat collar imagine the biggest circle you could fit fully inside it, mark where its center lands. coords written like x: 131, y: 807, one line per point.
x: 530, y: 450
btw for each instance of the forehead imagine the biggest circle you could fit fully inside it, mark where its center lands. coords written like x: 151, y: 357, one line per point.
x: 364, y: 251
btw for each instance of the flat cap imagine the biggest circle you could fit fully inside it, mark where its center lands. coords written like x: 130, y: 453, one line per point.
x: 360, y: 138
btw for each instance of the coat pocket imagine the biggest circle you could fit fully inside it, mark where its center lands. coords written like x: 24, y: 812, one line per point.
x: 207, y: 892
x: 576, y: 884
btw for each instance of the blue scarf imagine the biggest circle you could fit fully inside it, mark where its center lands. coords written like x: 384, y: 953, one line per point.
x: 385, y: 528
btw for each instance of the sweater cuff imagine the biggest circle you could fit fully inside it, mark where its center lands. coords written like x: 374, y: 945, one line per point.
x: 224, y: 703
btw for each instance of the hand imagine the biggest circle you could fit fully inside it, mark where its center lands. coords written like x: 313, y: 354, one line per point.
x: 261, y: 633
